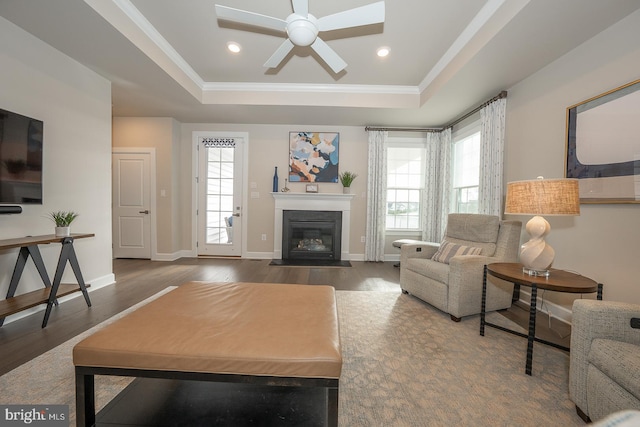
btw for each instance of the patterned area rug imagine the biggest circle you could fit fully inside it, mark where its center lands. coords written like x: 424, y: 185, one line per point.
x: 408, y: 364
x: 405, y: 364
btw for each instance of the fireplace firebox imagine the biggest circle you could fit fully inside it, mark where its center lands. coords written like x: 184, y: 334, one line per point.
x: 311, y: 235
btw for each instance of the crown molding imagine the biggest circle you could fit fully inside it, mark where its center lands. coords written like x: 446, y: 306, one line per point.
x: 311, y: 88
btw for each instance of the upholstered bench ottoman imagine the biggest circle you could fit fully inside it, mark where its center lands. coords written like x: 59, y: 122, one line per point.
x: 259, y: 333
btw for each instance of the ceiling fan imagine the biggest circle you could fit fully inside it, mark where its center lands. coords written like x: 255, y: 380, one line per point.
x: 302, y: 28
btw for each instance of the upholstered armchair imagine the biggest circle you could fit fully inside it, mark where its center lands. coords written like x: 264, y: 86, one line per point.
x: 448, y: 275
x: 604, y: 365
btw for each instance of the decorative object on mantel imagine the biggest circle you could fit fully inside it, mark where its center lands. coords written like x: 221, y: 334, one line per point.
x: 541, y: 197
x: 275, y: 180
x: 313, y: 156
x: 346, y: 178
x: 312, y: 188
x: 63, y: 220
x: 285, y: 189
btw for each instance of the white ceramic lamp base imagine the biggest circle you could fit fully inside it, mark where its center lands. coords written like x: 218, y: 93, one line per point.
x: 537, y: 255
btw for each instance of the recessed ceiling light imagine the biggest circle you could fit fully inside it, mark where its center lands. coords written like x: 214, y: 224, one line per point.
x: 383, y: 51
x: 233, y: 47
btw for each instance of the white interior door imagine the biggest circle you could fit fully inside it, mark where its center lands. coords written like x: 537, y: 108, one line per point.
x: 131, y: 205
x: 220, y: 172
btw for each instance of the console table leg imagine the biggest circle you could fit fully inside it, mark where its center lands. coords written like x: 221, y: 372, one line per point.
x: 39, y: 263
x: 57, y: 278
x: 66, y: 254
x: 532, y: 328
x: 73, y: 260
x: 23, y: 255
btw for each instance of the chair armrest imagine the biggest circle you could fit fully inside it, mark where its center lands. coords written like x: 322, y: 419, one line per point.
x: 422, y: 250
x: 596, y: 319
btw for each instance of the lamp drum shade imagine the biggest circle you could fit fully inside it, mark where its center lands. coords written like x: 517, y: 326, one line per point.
x: 543, y: 197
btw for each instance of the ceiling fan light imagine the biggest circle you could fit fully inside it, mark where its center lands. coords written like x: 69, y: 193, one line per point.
x: 383, y: 51
x: 302, y: 32
x: 234, y: 47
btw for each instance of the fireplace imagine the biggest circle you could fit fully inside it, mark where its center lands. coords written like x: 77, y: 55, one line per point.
x: 334, y: 202
x: 311, y: 235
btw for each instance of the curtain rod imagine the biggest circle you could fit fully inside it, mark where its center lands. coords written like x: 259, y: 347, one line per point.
x: 369, y: 128
x: 501, y: 95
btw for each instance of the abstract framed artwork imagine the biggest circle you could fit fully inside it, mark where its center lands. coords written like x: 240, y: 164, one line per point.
x: 603, y: 146
x: 314, y: 156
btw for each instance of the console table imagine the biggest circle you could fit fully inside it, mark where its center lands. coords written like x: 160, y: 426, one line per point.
x: 52, y: 290
x: 558, y: 280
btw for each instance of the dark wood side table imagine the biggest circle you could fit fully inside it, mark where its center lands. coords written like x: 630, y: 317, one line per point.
x: 29, y: 247
x: 558, y: 281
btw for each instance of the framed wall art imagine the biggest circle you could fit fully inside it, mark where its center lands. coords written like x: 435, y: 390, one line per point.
x: 313, y: 156
x: 603, y: 146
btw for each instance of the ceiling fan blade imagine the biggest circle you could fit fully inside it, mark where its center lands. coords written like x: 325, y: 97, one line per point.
x: 250, y: 18
x: 301, y: 7
x: 365, y: 15
x: 279, y: 55
x: 328, y: 55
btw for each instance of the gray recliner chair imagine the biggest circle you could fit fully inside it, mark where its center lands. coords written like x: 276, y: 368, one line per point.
x: 452, y: 280
x: 604, y: 365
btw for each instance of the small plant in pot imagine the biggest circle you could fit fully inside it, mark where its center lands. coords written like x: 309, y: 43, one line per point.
x: 346, y: 178
x: 63, y: 220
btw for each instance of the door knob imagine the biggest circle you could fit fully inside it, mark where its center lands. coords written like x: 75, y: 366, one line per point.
x: 146, y: 212
x: 236, y: 214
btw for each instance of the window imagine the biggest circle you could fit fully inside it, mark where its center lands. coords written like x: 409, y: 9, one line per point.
x: 466, y: 170
x: 405, y: 182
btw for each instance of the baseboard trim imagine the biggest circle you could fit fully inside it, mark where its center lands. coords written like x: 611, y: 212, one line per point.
x: 551, y: 309
x: 172, y: 256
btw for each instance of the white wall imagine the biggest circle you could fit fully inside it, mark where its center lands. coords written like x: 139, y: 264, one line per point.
x: 602, y: 243
x: 75, y: 105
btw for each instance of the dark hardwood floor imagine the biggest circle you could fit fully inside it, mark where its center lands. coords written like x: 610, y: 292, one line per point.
x: 136, y: 280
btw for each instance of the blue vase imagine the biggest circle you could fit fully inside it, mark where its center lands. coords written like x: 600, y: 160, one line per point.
x: 275, y: 181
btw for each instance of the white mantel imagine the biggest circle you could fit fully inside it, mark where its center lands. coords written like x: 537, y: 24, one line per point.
x: 312, y: 202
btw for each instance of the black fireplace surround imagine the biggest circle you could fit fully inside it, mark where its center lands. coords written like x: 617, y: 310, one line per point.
x: 311, y: 235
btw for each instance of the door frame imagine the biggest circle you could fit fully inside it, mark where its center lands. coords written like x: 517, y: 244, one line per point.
x: 194, y: 185
x: 151, y: 151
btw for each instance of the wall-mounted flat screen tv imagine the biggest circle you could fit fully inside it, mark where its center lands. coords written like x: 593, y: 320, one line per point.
x: 20, y: 159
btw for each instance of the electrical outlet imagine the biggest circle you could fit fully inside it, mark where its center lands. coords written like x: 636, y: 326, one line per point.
x: 264, y: 237
x: 362, y: 239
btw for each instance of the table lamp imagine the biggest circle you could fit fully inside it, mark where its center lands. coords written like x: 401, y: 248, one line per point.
x: 541, y: 197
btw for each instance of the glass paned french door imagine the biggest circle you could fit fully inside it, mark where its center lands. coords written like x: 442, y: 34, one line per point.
x: 219, y: 186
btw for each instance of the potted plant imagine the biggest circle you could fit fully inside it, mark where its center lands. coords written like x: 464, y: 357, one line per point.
x: 346, y: 178
x: 63, y: 220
